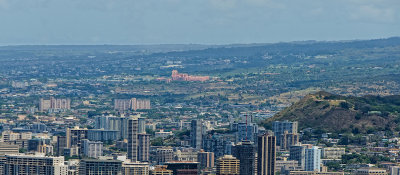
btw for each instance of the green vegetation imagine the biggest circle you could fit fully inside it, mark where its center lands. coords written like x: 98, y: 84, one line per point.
x: 335, y: 113
x: 66, y: 158
x: 22, y: 150
x: 363, y: 158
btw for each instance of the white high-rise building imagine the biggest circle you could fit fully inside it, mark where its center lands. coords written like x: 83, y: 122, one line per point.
x: 131, y: 104
x: 395, y: 170
x: 132, y: 139
x: 140, y: 104
x: 119, y: 124
x: 92, y: 149
x: 313, y: 159
x: 122, y: 104
x: 58, y: 104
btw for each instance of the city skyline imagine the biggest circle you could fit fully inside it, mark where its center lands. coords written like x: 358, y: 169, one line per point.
x: 200, y: 87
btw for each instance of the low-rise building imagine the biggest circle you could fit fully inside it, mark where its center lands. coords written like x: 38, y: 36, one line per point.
x: 8, y: 149
x: 135, y: 168
x: 38, y: 164
x: 370, y: 171
x: 163, y: 134
x: 93, y: 166
x: 161, y: 170
x: 311, y: 173
x: 332, y: 152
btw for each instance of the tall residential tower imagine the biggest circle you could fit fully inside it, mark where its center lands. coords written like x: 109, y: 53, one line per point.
x: 266, y: 155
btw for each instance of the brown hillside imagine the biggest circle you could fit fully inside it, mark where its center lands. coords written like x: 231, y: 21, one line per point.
x: 335, y: 113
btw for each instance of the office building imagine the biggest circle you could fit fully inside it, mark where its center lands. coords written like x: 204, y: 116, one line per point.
x: 206, y: 159
x: 92, y: 149
x: 228, y: 165
x: 196, y: 134
x: 34, y: 164
x: 132, y: 139
x: 98, y: 167
x: 220, y: 145
x: 279, y: 128
x: 183, y: 167
x: 245, y: 152
x: 135, y: 168
x: 246, y: 131
x: 266, y: 155
x: 313, y: 159
x: 143, y: 147
x: 60, y: 145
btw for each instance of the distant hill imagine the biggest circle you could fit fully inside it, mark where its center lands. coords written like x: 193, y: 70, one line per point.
x: 335, y: 113
x: 310, y: 47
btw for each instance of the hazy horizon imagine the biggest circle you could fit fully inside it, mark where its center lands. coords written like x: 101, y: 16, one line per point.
x: 200, y: 44
x: 207, y: 22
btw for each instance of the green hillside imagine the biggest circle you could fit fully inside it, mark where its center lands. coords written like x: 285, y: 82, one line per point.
x: 335, y: 113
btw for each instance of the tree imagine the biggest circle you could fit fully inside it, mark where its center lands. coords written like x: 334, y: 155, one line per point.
x: 157, y: 142
x: 22, y: 150
x: 344, y: 105
x: 335, y: 166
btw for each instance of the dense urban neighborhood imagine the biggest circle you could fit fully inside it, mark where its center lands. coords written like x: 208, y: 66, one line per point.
x: 298, y: 108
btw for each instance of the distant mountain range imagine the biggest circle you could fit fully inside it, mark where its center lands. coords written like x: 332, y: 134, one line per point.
x: 253, y: 48
x: 335, y: 113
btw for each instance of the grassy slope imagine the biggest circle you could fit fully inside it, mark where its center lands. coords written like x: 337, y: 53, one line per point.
x: 336, y: 113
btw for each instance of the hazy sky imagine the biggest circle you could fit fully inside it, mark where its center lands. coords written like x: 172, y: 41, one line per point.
x: 194, y: 21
